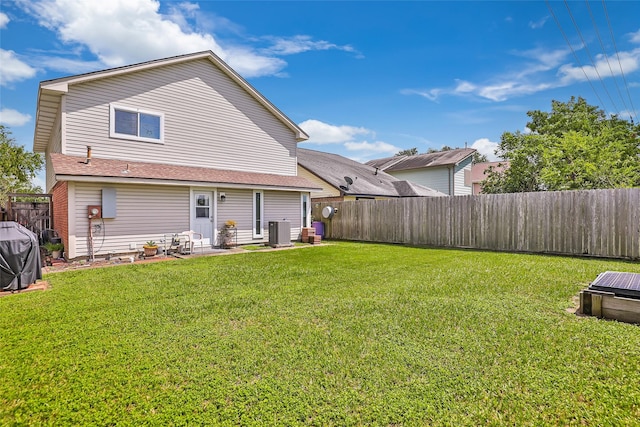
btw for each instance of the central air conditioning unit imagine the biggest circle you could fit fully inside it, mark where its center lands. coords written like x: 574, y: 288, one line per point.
x: 279, y: 234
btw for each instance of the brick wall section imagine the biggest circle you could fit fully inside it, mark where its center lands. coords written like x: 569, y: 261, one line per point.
x: 60, y: 198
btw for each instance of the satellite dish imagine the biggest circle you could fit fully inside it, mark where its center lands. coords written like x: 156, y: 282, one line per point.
x: 328, y: 212
x: 348, y: 179
x: 343, y: 188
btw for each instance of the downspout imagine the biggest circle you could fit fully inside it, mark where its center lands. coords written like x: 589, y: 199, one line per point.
x: 449, y: 169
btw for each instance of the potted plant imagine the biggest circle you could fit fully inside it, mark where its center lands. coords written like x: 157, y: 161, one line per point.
x: 150, y: 248
x: 228, y: 234
x: 55, y: 249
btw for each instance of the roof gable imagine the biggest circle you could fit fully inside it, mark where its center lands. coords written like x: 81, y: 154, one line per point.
x: 50, y: 92
x: 420, y: 161
x: 479, y: 170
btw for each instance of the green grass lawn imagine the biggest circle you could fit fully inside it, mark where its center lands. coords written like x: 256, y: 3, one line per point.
x: 346, y: 334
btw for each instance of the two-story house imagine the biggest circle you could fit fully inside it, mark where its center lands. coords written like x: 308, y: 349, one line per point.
x: 184, y: 143
x: 446, y: 171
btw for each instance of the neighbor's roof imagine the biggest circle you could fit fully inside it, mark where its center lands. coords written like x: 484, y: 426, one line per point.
x: 333, y: 169
x: 478, y: 170
x: 50, y: 92
x: 75, y: 168
x: 441, y: 158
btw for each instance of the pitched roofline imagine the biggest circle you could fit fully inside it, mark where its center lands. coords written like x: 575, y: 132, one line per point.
x: 75, y: 168
x: 61, y: 85
x: 392, y: 162
x: 331, y: 168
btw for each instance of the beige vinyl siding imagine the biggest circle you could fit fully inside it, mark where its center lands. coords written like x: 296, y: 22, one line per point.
x: 278, y: 205
x: 281, y: 205
x: 210, y: 121
x: 435, y: 178
x: 238, y: 207
x: 54, y: 146
x: 327, y: 189
x: 144, y: 212
x: 459, y: 188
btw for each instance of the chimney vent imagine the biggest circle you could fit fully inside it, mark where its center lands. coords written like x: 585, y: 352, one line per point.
x: 88, y: 154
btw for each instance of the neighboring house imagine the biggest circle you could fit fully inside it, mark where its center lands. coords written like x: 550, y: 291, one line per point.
x: 444, y: 171
x: 176, y: 144
x: 479, y: 173
x: 345, y: 179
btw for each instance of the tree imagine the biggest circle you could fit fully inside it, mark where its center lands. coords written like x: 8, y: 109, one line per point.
x: 18, y: 167
x: 479, y: 158
x: 408, y: 152
x: 575, y: 146
x: 435, y: 150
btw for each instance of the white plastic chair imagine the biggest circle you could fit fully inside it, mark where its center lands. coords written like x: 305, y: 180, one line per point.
x: 194, y: 239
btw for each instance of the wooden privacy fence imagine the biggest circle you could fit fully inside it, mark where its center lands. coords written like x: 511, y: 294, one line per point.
x: 33, y: 211
x: 604, y: 223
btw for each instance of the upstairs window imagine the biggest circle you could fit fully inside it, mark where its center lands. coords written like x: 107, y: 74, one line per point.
x: 136, y: 124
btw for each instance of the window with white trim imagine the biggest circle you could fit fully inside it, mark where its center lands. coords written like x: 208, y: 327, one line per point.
x: 136, y: 124
x: 258, y: 214
x: 306, y: 211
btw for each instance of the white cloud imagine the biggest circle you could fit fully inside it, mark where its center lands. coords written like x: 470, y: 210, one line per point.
x: 13, y: 69
x: 541, y: 60
x: 378, y: 147
x: 4, y: 20
x: 464, y: 87
x: 324, y: 133
x: 430, y: 94
x: 66, y: 65
x: 181, y: 12
x: 11, y: 117
x: 541, y: 70
x: 624, y: 114
x: 122, y: 32
x: 301, y: 43
x: 628, y: 61
x: 486, y: 147
x: 251, y: 65
x: 360, y: 150
x: 506, y: 90
x: 539, y: 23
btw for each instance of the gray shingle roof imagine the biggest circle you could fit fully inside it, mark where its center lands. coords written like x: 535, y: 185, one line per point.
x: 441, y: 158
x: 74, y: 166
x: 333, y: 169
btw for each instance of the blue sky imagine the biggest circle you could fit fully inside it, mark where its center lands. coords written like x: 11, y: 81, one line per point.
x: 364, y: 79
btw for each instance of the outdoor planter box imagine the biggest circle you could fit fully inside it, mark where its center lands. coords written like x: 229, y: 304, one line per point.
x: 613, y: 295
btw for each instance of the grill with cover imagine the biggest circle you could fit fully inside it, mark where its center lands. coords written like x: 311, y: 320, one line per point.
x: 20, y: 263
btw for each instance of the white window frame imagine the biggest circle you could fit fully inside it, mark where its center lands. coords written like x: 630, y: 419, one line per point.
x: 138, y: 111
x: 258, y: 233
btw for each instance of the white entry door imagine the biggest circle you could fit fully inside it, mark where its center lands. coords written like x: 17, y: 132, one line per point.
x: 203, y: 215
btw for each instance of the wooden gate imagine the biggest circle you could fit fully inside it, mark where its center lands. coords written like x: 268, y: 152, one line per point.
x: 33, y: 211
